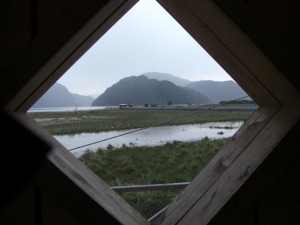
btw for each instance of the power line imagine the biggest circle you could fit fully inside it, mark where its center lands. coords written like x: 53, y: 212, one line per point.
x: 160, y: 123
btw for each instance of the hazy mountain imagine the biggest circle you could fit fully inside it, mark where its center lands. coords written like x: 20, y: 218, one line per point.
x: 218, y: 90
x: 165, y: 76
x: 59, y: 96
x: 142, y: 90
x: 83, y: 100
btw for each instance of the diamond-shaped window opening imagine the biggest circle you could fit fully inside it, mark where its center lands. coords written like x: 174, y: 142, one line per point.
x: 222, y: 177
x: 167, y: 173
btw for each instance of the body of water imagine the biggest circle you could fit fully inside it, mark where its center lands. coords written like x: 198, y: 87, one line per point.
x: 70, y: 109
x: 150, y: 137
x: 242, y: 107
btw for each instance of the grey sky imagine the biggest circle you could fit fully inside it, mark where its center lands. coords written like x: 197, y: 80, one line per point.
x: 146, y: 39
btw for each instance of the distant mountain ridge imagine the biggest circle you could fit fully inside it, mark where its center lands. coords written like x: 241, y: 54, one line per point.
x: 142, y: 90
x: 59, y: 96
x: 216, y: 91
x: 169, y: 77
x: 219, y: 90
x: 148, y: 88
x: 83, y: 100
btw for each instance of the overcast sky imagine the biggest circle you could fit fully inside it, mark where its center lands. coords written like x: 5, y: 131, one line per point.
x: 146, y: 39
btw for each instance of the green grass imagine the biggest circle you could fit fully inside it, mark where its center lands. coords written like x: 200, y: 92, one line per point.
x: 169, y: 163
x: 58, y: 123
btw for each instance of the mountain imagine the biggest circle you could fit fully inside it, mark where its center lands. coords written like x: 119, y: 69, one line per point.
x: 141, y: 90
x: 59, y: 96
x: 218, y: 90
x: 83, y: 100
x: 166, y: 76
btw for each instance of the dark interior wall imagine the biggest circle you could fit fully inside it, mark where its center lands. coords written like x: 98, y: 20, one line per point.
x: 21, y: 208
x: 47, y: 197
x: 33, y: 189
x: 32, y: 32
x: 274, y: 26
x: 34, y: 205
x: 15, y: 24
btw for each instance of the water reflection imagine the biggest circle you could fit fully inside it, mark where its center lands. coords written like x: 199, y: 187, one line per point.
x: 150, y: 137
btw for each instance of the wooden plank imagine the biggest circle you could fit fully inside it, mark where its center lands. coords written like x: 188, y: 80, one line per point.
x: 83, y: 178
x: 150, y: 187
x: 252, y: 196
x: 245, y: 51
x: 217, y: 166
x: 64, y: 58
x: 241, y: 169
x: 233, y: 51
x: 153, y: 218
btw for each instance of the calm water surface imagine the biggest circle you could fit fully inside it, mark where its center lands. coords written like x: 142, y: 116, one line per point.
x: 70, y: 109
x: 150, y: 137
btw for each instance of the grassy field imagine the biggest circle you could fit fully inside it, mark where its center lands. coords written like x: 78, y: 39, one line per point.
x: 173, y: 162
x: 170, y: 163
x: 115, y: 119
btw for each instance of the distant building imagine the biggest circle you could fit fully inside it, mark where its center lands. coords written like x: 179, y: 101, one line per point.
x: 122, y: 106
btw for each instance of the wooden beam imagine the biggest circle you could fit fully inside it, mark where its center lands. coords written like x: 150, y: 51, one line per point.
x: 233, y: 51
x: 150, y: 187
x: 69, y: 173
x: 223, y: 176
x: 44, y: 70
x: 217, y: 166
x: 275, y: 176
x: 254, y: 154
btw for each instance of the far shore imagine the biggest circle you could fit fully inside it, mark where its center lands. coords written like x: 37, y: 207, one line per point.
x: 75, y: 122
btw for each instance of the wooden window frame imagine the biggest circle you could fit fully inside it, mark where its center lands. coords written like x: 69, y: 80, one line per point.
x: 236, y: 161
